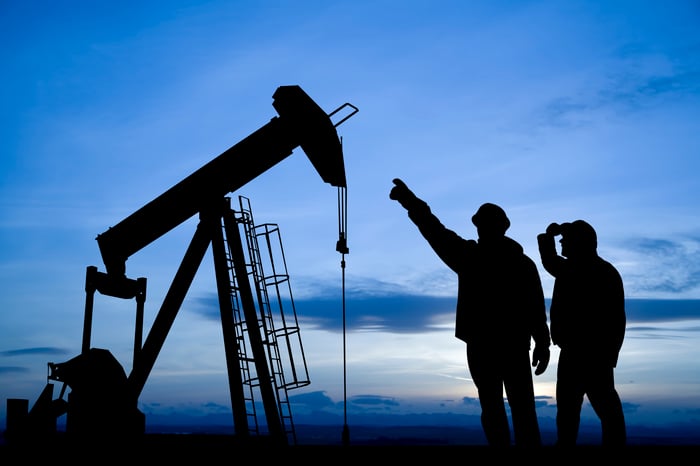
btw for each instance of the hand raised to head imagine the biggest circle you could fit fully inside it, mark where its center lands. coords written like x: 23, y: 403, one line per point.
x: 553, y: 229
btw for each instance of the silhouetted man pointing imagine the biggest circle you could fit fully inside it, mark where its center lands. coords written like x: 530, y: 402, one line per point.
x: 500, y: 309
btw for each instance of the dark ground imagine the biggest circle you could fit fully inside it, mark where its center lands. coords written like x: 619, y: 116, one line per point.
x: 212, y: 447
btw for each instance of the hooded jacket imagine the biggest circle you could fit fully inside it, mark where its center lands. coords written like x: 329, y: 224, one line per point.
x: 587, y: 312
x: 500, y: 300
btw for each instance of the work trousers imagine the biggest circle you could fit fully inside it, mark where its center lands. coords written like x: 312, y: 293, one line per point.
x: 492, y: 369
x: 579, y: 374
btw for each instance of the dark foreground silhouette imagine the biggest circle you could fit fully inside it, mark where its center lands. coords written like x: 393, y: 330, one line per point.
x: 209, y: 447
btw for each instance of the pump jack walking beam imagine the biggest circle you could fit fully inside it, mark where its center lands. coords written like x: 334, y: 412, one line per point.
x: 301, y: 123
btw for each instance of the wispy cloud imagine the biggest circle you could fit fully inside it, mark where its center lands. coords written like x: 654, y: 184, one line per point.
x: 630, y: 407
x: 661, y: 265
x: 317, y: 399
x: 414, y: 314
x: 399, y: 313
x: 373, y: 401
x: 32, y: 351
x: 13, y: 370
x: 662, y: 310
x: 636, y: 77
x: 469, y: 401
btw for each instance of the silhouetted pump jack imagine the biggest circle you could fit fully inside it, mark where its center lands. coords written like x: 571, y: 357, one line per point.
x: 103, y: 398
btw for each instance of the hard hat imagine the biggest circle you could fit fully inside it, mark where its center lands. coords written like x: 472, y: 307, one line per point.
x: 581, y: 233
x: 491, y: 217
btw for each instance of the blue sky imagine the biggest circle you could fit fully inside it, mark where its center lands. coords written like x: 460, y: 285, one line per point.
x: 553, y: 110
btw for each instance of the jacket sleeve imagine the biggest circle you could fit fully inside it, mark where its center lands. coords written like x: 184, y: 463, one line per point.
x: 551, y: 261
x: 618, y: 317
x: 442, y: 240
x: 538, y: 309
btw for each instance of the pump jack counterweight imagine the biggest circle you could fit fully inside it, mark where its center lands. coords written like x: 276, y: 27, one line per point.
x: 103, y: 400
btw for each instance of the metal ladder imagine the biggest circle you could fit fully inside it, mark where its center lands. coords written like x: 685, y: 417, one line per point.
x: 272, y: 290
x: 246, y: 363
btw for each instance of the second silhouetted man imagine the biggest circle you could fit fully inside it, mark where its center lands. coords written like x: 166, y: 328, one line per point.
x: 588, y: 322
